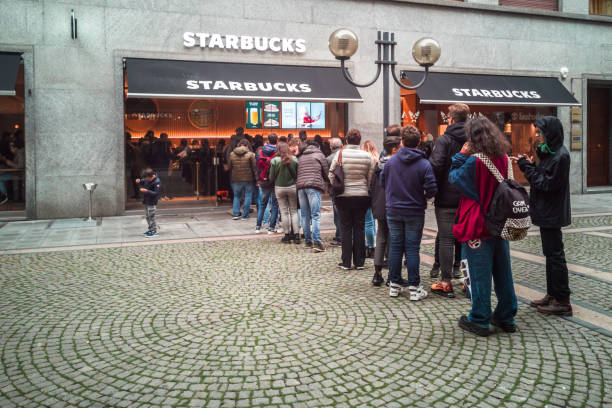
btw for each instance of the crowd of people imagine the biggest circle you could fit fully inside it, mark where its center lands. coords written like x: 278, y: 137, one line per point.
x: 379, y: 203
x: 12, y: 166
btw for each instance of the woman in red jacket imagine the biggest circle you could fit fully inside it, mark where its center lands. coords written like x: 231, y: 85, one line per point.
x: 486, y: 256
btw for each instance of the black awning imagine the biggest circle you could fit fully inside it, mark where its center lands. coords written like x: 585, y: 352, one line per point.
x: 148, y: 78
x: 475, y: 89
x: 9, y: 67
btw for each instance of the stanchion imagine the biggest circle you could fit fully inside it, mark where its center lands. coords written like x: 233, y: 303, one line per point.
x: 197, y: 180
x: 216, y: 166
x: 90, y: 187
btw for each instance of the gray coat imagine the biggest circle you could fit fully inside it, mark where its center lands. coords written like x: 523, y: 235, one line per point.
x: 312, y: 169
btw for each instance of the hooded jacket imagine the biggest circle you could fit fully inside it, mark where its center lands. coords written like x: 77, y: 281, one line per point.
x: 312, y: 169
x: 358, y: 167
x: 408, y: 181
x: 242, y: 164
x: 154, y: 190
x: 377, y: 192
x: 445, y: 147
x: 549, y: 180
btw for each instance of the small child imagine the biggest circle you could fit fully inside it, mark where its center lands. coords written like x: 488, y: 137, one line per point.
x: 150, y: 186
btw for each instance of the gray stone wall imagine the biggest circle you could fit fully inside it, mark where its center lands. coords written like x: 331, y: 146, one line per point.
x: 75, y: 113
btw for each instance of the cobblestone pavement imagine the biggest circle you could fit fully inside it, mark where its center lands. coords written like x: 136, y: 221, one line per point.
x: 257, y: 323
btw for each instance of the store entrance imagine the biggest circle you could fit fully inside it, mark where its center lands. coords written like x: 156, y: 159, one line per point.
x: 599, y: 135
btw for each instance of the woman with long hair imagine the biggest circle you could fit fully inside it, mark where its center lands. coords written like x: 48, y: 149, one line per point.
x: 283, y: 172
x: 486, y: 256
x: 370, y: 224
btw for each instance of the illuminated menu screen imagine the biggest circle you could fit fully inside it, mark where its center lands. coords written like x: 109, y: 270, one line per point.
x: 303, y: 115
x: 288, y: 115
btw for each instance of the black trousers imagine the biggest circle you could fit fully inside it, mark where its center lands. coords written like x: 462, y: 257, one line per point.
x: 352, y: 211
x: 437, y: 252
x: 557, y: 281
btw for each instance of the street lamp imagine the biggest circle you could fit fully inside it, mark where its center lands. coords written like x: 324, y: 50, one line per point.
x: 343, y: 44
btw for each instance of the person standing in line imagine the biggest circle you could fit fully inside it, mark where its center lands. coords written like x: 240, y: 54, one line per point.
x: 353, y: 203
x: 550, y: 210
x: 266, y: 185
x: 487, y: 257
x: 408, y: 181
x: 335, y: 144
x: 370, y: 223
x: 447, y: 198
x: 391, y: 145
x: 242, y: 169
x: 150, y: 187
x: 283, y: 172
x: 311, y: 182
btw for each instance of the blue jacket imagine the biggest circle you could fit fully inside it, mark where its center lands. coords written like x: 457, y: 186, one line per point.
x: 153, y: 193
x: 409, y: 181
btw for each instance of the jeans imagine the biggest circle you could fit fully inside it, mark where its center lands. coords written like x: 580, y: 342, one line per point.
x: 287, y: 202
x: 338, y: 235
x: 370, y: 229
x: 405, y: 232
x: 382, y: 243
x: 150, y: 215
x: 352, y: 212
x: 267, y: 196
x: 488, y: 258
x: 557, y: 280
x: 445, y: 218
x: 310, y: 204
x: 240, y: 187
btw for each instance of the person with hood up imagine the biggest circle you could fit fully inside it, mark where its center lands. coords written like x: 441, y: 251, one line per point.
x: 266, y: 185
x: 408, y: 181
x: 242, y: 169
x: 391, y: 145
x: 447, y: 199
x: 311, y: 182
x: 550, y: 210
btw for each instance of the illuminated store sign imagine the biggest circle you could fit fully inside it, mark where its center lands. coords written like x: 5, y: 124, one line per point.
x: 244, y: 42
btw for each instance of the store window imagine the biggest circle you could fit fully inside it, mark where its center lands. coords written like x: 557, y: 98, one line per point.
x: 185, y: 140
x: 552, y: 5
x: 600, y: 7
x: 516, y: 122
x: 12, y: 144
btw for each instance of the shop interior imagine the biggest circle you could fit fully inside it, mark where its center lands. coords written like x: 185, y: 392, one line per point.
x: 516, y: 122
x: 185, y: 140
x: 12, y: 147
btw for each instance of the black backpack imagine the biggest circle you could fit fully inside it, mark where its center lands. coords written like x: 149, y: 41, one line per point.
x: 508, y: 214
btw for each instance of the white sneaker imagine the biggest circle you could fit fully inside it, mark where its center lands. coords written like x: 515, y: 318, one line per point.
x: 279, y: 230
x: 271, y: 231
x: 417, y: 293
x: 394, y: 289
x: 258, y: 230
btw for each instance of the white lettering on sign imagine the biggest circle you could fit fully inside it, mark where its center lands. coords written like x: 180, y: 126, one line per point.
x: 496, y: 93
x: 244, y: 42
x: 249, y: 86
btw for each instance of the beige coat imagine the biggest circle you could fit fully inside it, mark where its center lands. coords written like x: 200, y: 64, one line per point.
x: 358, y: 168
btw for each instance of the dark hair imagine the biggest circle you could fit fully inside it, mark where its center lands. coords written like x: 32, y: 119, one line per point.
x: 303, y: 135
x: 311, y: 143
x: 353, y: 137
x: 459, y: 112
x: 486, y: 138
x: 282, y: 139
x: 148, y: 172
x: 239, y: 131
x: 163, y: 136
x: 244, y: 142
x: 391, y: 142
x: 285, y: 153
x: 319, y: 140
x: 272, y: 138
x: 394, y: 130
x: 411, y: 136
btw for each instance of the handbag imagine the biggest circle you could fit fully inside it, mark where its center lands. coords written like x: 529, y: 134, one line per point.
x: 337, y: 186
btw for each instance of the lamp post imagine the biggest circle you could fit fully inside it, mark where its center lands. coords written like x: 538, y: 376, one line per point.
x: 343, y: 44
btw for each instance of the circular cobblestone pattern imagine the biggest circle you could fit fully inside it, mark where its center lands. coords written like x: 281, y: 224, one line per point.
x: 256, y: 323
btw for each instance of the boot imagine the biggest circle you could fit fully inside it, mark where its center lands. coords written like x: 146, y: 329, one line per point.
x: 545, y: 301
x: 556, y: 308
x: 286, y: 239
x: 369, y: 252
x: 296, y: 239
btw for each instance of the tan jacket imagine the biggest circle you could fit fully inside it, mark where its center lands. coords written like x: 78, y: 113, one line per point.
x: 358, y: 167
x: 242, y: 164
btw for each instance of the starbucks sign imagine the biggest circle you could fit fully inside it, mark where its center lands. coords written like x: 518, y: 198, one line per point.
x: 244, y: 42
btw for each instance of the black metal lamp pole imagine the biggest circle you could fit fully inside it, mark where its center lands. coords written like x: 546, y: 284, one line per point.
x: 386, y: 62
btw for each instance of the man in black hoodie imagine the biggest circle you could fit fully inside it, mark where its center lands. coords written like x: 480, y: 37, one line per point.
x: 447, y: 198
x: 550, y: 210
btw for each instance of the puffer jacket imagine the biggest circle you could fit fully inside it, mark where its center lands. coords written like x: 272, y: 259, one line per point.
x: 358, y: 167
x: 445, y: 147
x: 242, y: 164
x: 549, y: 180
x: 312, y: 169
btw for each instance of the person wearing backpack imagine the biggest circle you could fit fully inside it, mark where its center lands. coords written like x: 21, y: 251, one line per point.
x: 550, y: 210
x: 486, y: 255
x: 266, y: 186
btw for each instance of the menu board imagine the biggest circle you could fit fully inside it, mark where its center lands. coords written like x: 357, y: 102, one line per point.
x: 271, y: 114
x: 288, y: 115
x: 253, y: 115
